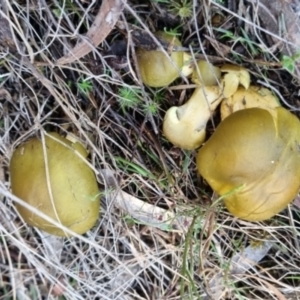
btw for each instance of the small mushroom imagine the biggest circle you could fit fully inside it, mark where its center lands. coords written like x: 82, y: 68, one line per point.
x: 56, y: 180
x: 185, y: 126
x: 253, y: 162
x: 157, y: 69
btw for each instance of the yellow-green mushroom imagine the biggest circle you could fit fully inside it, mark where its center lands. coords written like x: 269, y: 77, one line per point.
x: 158, y: 69
x: 185, y: 126
x: 254, y: 96
x: 206, y: 74
x: 55, y: 178
x: 253, y: 161
x: 233, y: 78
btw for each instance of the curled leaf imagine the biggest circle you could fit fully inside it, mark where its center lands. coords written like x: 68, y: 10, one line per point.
x: 104, y: 23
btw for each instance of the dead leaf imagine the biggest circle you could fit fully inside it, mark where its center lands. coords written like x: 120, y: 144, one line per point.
x: 249, y: 257
x: 239, y: 265
x: 141, y: 211
x: 149, y: 214
x: 105, y: 21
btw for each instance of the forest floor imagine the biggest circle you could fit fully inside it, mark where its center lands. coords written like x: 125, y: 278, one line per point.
x: 70, y: 67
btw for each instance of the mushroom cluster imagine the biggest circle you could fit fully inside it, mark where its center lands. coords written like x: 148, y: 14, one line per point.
x: 252, y: 160
x: 55, y: 178
x: 185, y: 126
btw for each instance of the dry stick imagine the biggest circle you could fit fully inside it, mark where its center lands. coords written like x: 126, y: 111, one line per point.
x: 105, y: 21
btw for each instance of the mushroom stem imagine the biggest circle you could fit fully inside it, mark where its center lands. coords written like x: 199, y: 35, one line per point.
x: 184, y: 126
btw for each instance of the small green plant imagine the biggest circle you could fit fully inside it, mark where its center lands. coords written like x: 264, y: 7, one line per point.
x: 161, y: 1
x: 84, y: 86
x: 186, y: 161
x: 182, y: 8
x: 289, y: 62
x: 129, y: 98
x: 130, y: 167
x: 3, y: 77
x: 130, y: 221
x: 151, y: 107
x: 226, y: 33
x: 173, y: 31
x: 66, y: 7
x: 245, y: 40
x: 188, y: 266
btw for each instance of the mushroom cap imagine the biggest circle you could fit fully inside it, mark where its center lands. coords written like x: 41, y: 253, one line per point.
x: 235, y: 76
x: 210, y: 75
x: 254, y: 96
x: 253, y: 161
x: 185, y: 126
x: 155, y: 67
x: 71, y: 181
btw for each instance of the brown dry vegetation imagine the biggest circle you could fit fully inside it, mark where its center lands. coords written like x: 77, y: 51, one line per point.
x: 130, y: 253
